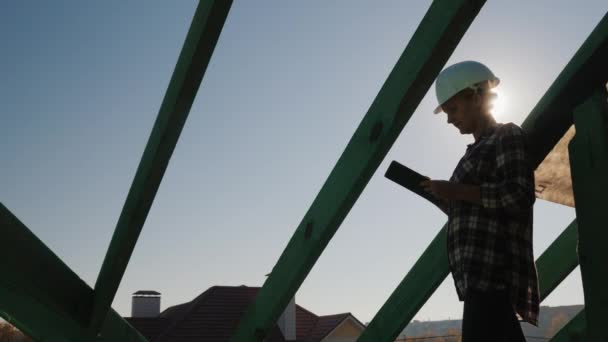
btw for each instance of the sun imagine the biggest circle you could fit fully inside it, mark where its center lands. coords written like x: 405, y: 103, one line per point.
x: 499, y: 105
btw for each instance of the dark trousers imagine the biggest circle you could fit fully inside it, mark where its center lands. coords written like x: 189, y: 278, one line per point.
x: 489, y: 316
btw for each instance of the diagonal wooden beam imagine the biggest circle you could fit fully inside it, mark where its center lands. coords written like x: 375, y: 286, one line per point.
x: 191, y: 65
x: 573, y: 331
x: 432, y: 44
x: 585, y: 72
x: 545, y: 125
x: 42, y: 296
x: 558, y: 261
x: 431, y: 269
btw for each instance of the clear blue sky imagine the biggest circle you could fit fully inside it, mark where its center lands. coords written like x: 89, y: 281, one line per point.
x: 287, y: 86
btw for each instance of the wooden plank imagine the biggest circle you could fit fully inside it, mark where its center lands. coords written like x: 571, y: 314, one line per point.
x: 42, y: 296
x: 191, y: 65
x: 589, y: 164
x: 545, y: 125
x: 433, y: 42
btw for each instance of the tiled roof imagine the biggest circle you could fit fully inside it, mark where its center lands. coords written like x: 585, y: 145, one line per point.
x: 305, y: 322
x: 214, y: 315
x: 174, y: 311
x: 324, y: 325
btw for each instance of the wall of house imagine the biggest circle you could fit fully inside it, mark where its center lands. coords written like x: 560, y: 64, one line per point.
x: 348, y: 331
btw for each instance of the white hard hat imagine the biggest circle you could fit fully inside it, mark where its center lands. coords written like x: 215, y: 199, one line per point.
x: 461, y: 76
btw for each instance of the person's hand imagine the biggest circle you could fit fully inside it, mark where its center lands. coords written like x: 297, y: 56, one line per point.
x: 441, y: 189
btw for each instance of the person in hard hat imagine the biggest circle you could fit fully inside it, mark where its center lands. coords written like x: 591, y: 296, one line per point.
x: 489, y: 201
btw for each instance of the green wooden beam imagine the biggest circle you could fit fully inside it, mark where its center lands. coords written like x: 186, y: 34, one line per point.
x: 414, y: 290
x: 555, y: 264
x: 573, y: 331
x: 433, y: 42
x: 187, y: 76
x: 558, y: 261
x: 589, y: 165
x: 585, y: 72
x: 115, y: 328
x: 34, y: 268
x: 545, y: 125
x: 37, y: 319
x: 41, y: 295
x: 43, y: 323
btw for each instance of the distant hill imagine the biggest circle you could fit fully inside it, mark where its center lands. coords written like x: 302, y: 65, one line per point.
x: 550, y: 321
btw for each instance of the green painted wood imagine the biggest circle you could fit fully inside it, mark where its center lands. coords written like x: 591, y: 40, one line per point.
x: 35, y: 269
x: 545, y: 125
x: 41, y: 295
x: 187, y: 76
x: 558, y: 261
x: 585, y: 72
x: 589, y: 165
x: 573, y: 331
x: 41, y: 322
x: 414, y: 290
x: 433, y: 42
x: 555, y: 264
x: 115, y: 328
x: 35, y: 318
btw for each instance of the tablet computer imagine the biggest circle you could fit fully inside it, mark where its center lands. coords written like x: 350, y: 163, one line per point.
x: 410, y: 180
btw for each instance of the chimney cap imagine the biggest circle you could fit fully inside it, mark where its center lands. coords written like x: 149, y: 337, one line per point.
x: 146, y: 293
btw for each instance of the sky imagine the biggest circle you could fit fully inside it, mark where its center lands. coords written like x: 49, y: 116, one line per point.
x: 287, y: 86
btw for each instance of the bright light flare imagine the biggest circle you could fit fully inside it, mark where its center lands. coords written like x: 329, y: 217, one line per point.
x: 499, y: 105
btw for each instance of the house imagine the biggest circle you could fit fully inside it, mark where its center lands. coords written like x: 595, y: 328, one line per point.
x: 214, y: 315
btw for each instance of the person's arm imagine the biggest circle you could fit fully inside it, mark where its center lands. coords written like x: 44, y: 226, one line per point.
x: 450, y: 191
x: 513, y: 193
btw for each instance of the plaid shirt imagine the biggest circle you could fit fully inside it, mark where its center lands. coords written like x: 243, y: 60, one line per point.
x: 490, y: 245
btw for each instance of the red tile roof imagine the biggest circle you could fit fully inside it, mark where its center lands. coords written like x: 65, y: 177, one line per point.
x: 214, y: 315
x: 305, y: 322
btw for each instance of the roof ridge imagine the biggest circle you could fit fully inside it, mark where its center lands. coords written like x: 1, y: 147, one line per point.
x: 177, y: 320
x: 357, y: 320
x: 338, y: 314
x: 329, y: 331
x: 303, y: 309
x: 312, y: 326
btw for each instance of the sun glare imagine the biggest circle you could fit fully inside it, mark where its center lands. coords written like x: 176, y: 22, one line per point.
x: 498, y: 105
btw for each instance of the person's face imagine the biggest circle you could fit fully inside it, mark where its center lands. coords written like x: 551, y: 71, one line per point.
x: 462, y: 111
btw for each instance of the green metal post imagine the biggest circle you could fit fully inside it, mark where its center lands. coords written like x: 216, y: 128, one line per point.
x: 42, y: 296
x: 191, y: 65
x: 433, y: 42
x: 573, y: 331
x: 589, y: 164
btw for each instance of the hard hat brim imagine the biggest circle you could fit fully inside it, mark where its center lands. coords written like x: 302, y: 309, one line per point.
x: 493, y: 83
